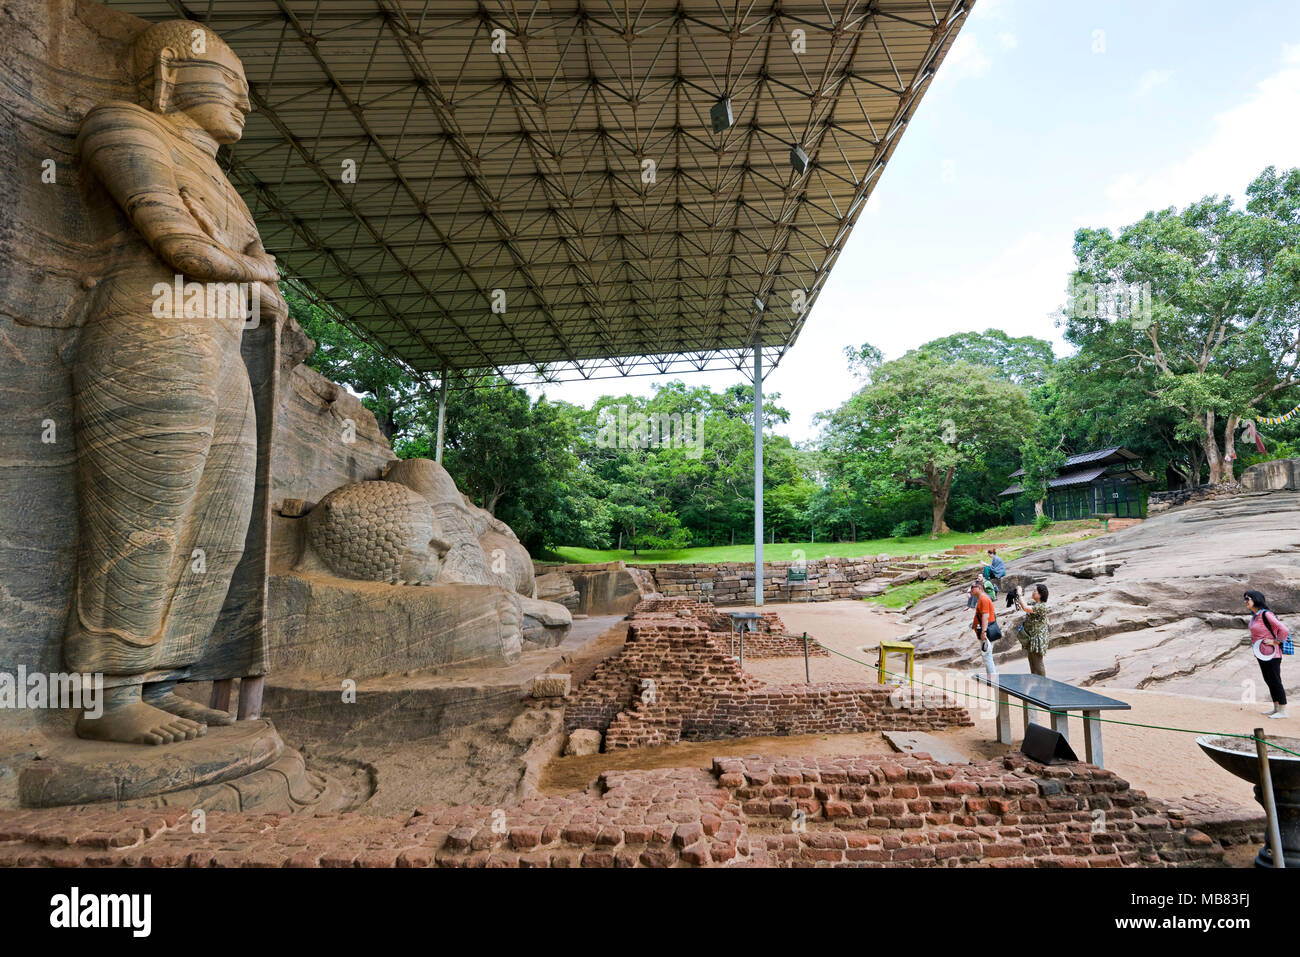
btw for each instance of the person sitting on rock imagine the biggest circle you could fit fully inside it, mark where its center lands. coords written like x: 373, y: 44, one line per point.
x: 1266, y: 637
x: 995, y: 570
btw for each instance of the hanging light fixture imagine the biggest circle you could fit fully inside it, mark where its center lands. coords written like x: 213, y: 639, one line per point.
x: 798, y: 159
x: 721, y: 115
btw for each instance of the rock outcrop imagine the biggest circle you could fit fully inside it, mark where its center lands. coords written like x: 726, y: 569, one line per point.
x: 559, y: 588
x: 1272, y: 476
x: 1161, y: 601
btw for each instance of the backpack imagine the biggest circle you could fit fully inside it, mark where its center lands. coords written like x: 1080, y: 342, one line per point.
x: 1288, y: 644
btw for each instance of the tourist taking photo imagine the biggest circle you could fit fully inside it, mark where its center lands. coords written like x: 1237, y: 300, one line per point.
x: 1033, y: 630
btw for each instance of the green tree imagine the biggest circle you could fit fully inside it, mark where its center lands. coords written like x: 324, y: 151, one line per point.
x: 920, y: 420
x: 515, y: 457
x: 1221, y: 340
x: 706, y: 483
x: 386, y: 388
x: 1023, y: 360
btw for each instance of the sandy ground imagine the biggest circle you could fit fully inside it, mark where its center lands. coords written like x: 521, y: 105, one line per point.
x: 1166, y: 764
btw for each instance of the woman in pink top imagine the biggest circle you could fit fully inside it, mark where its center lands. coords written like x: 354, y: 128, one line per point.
x: 1266, y: 637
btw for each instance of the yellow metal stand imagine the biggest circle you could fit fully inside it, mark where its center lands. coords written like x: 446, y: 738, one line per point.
x: 905, y: 647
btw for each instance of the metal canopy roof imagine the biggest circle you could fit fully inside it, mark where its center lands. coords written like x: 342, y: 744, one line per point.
x: 522, y: 177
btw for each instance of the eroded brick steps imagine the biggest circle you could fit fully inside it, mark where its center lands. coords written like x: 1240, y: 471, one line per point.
x: 869, y: 811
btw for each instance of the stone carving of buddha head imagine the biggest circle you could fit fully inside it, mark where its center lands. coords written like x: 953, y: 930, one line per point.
x: 182, y: 67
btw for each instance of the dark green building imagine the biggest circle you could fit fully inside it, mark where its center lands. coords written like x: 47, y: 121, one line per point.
x: 1104, y: 482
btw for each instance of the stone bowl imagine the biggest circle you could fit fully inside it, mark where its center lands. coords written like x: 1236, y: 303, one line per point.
x: 1238, y: 756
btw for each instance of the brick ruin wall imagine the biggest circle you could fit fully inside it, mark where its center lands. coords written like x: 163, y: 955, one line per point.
x: 732, y: 583
x: 768, y: 639
x: 907, y: 811
x: 675, y: 681
x: 859, y: 811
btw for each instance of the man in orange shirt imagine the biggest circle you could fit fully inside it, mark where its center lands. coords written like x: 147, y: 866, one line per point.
x: 985, y: 625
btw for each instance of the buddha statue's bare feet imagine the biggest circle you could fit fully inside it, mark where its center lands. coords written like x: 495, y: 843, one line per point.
x: 138, y: 723
x: 173, y: 703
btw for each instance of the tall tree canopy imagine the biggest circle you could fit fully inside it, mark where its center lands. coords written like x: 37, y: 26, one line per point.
x: 1023, y: 360
x: 1222, y: 340
x: 920, y: 419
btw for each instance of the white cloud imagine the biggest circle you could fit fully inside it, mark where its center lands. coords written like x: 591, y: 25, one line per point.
x: 1014, y: 289
x: 1151, y: 79
x: 992, y: 9
x: 1258, y: 132
x: 966, y: 58
x: 1007, y: 41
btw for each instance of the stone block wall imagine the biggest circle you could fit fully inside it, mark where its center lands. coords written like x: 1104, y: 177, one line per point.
x: 732, y: 583
x: 1159, y: 502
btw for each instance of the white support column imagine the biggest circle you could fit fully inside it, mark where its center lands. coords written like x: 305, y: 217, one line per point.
x: 758, y: 471
x: 442, y: 416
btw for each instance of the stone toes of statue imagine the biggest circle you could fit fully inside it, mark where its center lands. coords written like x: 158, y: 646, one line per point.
x: 182, y: 729
x: 173, y: 703
x: 138, y: 723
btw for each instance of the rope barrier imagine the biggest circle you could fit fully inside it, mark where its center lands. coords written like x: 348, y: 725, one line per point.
x: 1029, y: 707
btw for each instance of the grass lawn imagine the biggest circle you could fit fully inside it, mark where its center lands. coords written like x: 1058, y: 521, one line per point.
x: 1019, y: 535
x: 904, y: 595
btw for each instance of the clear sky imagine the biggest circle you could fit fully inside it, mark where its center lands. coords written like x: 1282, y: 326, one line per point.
x: 1047, y: 115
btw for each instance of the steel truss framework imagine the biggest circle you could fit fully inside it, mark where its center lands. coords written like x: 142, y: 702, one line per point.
x: 539, y: 192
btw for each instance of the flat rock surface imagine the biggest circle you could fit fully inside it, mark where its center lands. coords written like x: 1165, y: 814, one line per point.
x: 912, y: 742
x: 1157, y: 606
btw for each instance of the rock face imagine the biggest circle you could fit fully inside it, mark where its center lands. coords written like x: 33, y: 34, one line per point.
x: 105, y: 380
x: 1272, y: 476
x: 58, y: 64
x: 325, y: 437
x: 608, y: 588
x: 1154, y: 606
x: 374, y: 531
x: 323, y: 625
x: 481, y: 549
x: 558, y: 587
x: 152, y: 422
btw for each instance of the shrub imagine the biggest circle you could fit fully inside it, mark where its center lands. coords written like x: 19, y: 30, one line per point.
x: 906, y: 529
x: 1041, y: 522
